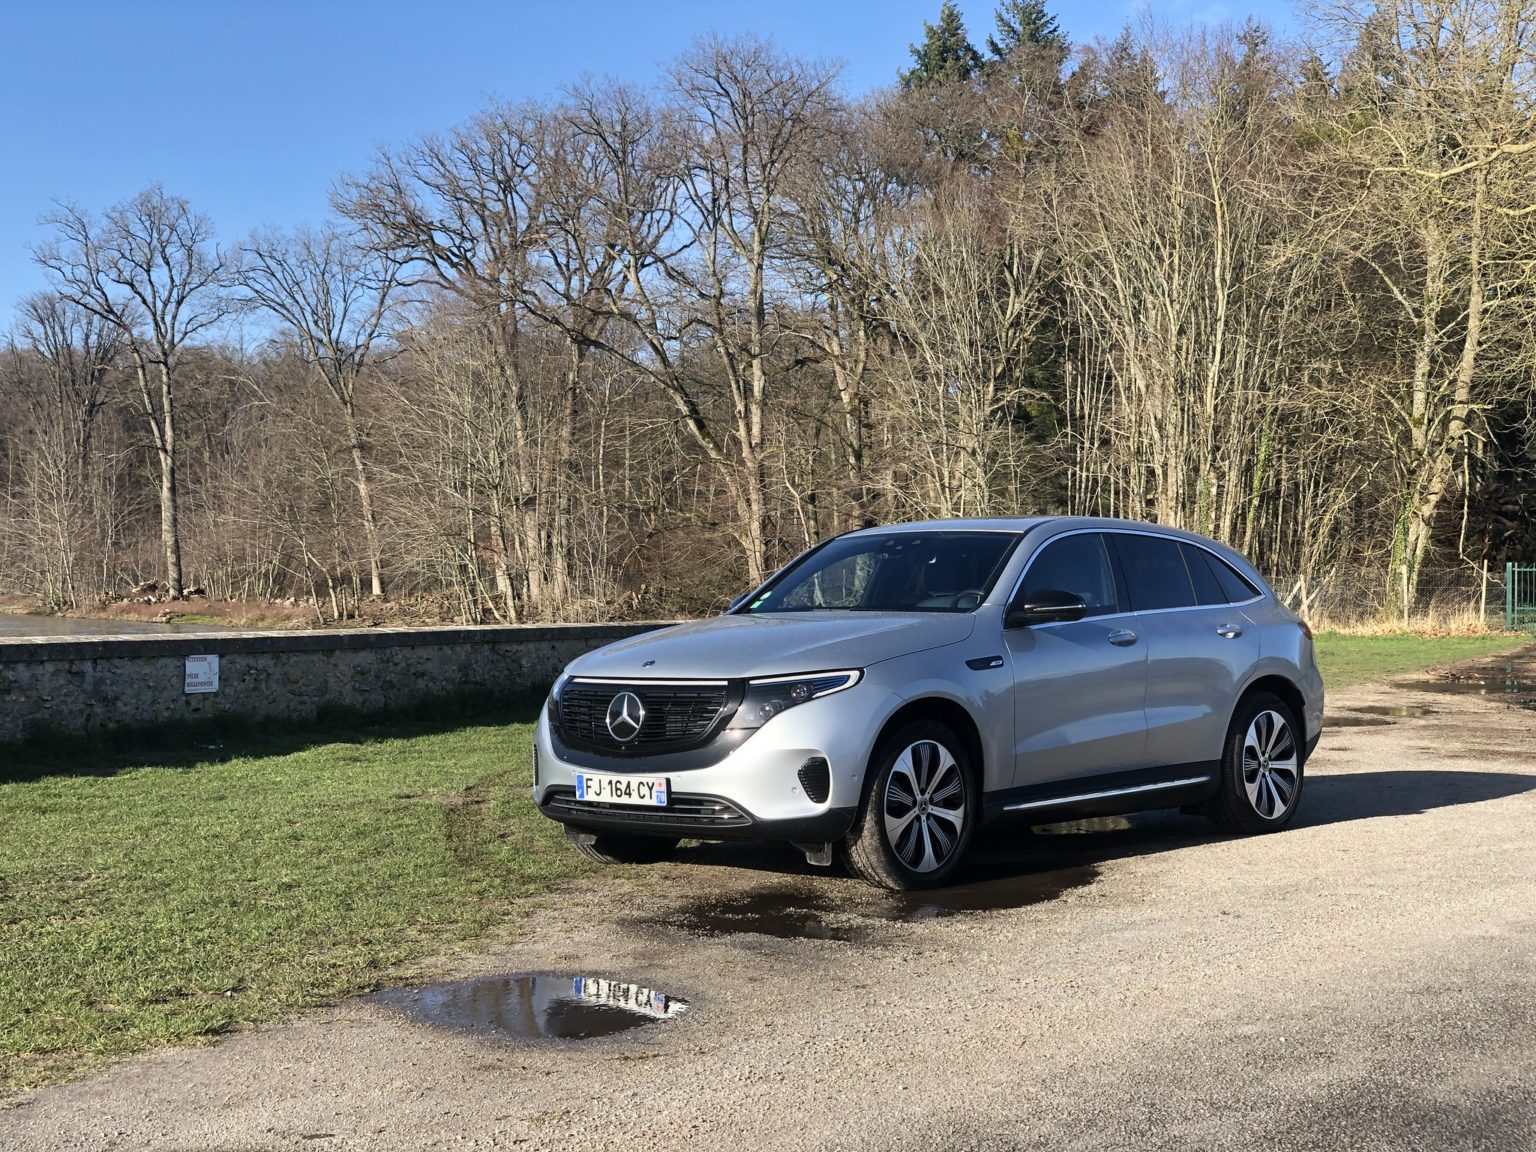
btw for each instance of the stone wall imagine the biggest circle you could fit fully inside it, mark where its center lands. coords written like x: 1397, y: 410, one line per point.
x: 84, y: 684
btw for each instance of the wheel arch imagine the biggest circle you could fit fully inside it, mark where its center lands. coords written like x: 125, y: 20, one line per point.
x: 954, y: 716
x: 1287, y: 691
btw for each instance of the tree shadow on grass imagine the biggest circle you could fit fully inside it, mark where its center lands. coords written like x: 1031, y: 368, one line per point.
x: 188, y: 744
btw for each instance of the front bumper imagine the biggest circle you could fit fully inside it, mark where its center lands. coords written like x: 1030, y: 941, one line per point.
x: 695, y: 817
x: 753, y: 792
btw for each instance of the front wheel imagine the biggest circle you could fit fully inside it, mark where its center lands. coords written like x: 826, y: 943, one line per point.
x: 1261, y: 768
x: 920, y: 811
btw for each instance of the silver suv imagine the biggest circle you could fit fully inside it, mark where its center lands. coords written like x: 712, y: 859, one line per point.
x: 892, y: 690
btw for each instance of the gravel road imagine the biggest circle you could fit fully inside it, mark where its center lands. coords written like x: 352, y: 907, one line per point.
x: 1364, y: 980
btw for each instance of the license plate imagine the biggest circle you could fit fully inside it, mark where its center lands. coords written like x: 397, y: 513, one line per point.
x: 631, y: 997
x: 645, y: 791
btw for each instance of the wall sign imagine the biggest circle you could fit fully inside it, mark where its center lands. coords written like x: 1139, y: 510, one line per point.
x: 202, y: 674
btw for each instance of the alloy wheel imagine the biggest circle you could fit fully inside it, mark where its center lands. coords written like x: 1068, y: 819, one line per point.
x: 1270, y: 766
x: 924, y: 808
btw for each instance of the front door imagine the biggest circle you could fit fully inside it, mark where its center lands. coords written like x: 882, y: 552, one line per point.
x: 1079, y: 687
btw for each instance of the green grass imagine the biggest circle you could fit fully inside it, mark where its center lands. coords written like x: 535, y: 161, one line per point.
x: 1347, y: 660
x: 162, y: 895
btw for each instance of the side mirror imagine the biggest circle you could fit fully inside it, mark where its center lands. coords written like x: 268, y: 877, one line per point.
x: 1047, y: 606
x: 739, y: 601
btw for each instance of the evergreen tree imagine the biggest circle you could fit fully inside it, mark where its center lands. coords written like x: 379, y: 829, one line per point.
x: 946, y: 54
x: 1026, y: 22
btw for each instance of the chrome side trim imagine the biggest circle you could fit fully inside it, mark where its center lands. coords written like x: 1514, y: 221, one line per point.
x: 1078, y: 799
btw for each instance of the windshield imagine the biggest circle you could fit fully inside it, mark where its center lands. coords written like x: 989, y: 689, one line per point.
x: 892, y: 572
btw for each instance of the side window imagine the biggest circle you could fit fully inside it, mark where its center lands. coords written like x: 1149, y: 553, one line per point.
x: 1077, y: 564
x: 1208, y: 589
x: 1234, y: 584
x: 1154, y: 569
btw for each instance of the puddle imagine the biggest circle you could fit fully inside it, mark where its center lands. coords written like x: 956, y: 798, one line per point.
x: 1354, y: 721
x: 1494, y: 685
x: 1399, y: 710
x: 534, y: 1006
x: 796, y: 914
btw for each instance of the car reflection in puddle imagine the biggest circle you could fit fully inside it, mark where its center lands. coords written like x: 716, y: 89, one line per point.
x: 534, y: 1006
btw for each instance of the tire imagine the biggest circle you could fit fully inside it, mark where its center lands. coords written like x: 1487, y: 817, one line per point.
x: 614, y: 848
x: 1262, y: 768
x: 920, y: 810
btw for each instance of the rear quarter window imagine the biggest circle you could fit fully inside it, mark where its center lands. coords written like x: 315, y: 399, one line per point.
x: 1208, y: 589
x: 1234, y: 584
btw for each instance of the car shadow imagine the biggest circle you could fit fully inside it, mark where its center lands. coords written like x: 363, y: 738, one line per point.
x: 1011, y: 850
x: 1337, y: 798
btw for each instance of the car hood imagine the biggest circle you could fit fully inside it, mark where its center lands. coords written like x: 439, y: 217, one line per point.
x: 729, y: 647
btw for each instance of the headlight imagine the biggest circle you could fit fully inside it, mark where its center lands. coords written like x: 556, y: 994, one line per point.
x: 554, y: 692
x: 765, y: 699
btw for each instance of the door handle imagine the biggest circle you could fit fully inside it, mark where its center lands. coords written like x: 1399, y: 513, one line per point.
x: 1230, y: 631
x: 1122, y: 637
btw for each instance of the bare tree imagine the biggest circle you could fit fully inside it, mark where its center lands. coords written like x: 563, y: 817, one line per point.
x: 150, y: 269
x: 1435, y: 122
x: 966, y: 300
x: 336, y: 297
x: 700, y: 199
x: 844, y: 209
x: 58, y: 371
x: 465, y: 211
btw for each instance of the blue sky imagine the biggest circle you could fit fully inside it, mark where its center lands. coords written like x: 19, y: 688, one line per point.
x: 250, y: 111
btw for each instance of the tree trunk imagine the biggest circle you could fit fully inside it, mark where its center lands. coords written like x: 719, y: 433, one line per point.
x: 365, y: 499
x: 170, y: 528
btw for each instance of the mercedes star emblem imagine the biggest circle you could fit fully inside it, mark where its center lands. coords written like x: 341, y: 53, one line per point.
x: 625, y: 715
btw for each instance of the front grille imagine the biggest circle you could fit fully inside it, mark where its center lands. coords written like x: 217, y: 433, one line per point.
x: 677, y: 716
x: 683, y: 812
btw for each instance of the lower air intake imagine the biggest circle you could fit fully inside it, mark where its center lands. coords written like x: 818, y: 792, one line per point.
x: 816, y: 779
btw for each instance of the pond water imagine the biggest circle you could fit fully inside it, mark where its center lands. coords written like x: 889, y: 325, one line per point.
x: 30, y: 627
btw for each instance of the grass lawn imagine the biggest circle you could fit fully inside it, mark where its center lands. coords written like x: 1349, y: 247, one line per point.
x: 1347, y: 660
x: 160, y: 895
x: 159, y: 890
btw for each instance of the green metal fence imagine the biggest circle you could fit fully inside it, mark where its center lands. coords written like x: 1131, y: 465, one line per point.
x: 1519, y: 596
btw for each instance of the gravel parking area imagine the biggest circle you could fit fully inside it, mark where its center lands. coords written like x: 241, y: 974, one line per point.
x: 1365, y: 980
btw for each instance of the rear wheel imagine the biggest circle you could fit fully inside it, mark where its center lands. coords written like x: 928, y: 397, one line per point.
x: 618, y: 849
x: 920, y: 812
x: 1261, y: 768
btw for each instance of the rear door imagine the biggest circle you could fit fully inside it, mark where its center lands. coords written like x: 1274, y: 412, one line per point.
x: 1199, y: 646
x: 1079, y: 686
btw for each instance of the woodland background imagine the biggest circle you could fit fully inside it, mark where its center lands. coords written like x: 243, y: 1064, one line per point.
x: 623, y: 352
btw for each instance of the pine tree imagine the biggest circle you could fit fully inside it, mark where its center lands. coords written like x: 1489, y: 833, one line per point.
x: 946, y: 54
x: 1026, y: 22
